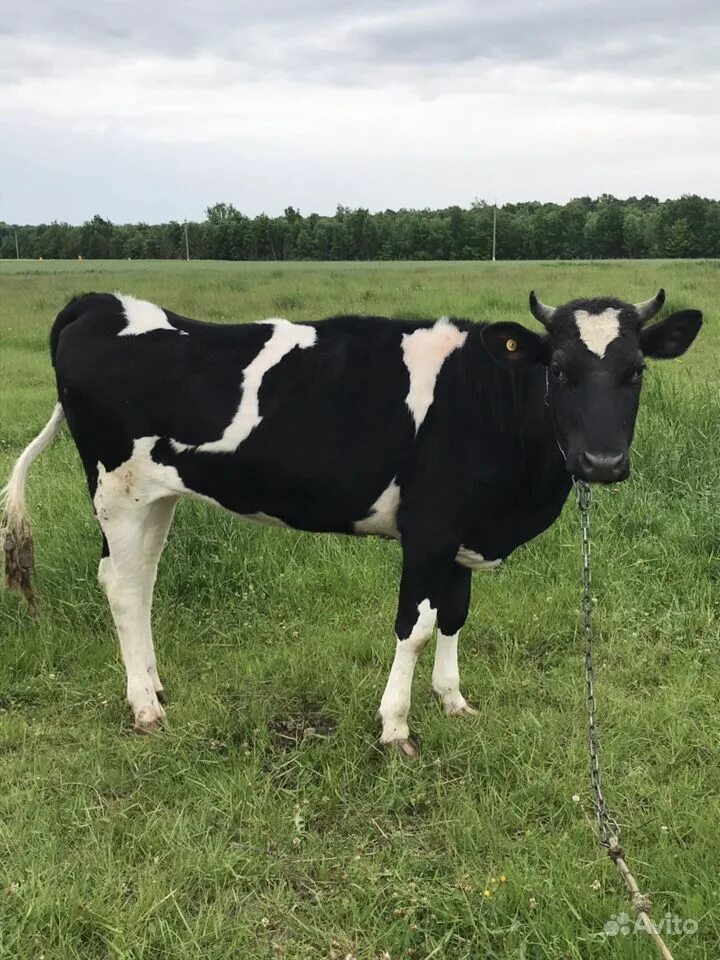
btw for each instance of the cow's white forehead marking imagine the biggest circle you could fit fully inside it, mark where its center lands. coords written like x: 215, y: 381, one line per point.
x: 424, y: 353
x: 142, y: 316
x: 598, y: 330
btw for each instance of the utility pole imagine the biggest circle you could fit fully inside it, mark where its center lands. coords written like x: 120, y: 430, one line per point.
x: 494, y: 229
x: 187, y: 242
x: 17, y: 248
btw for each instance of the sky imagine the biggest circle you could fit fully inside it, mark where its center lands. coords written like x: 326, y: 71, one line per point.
x: 151, y: 111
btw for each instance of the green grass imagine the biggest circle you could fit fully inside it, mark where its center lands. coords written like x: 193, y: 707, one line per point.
x: 223, y: 837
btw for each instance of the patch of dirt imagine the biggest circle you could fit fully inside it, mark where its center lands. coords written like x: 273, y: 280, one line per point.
x: 289, y: 732
x: 18, y: 699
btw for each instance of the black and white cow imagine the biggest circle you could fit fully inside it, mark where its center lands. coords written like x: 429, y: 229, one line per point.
x: 458, y: 439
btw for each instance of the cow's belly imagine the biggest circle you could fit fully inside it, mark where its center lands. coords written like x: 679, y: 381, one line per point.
x: 343, y: 499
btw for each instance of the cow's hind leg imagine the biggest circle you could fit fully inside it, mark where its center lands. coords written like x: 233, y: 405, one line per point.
x: 127, y: 575
x: 157, y: 525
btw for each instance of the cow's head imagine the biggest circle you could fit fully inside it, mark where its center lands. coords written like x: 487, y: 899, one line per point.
x: 593, y: 354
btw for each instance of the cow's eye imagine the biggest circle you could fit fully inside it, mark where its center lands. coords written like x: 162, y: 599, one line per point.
x: 637, y: 374
x: 558, y: 373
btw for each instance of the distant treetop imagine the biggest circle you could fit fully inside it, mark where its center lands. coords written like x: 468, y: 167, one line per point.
x: 583, y: 228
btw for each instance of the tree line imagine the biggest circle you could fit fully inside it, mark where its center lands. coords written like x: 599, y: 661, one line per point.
x: 583, y: 228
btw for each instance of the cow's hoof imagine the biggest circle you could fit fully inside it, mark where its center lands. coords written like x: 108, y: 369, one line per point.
x: 460, y: 710
x: 454, y: 704
x: 392, y: 737
x: 406, y: 748
x: 149, y: 721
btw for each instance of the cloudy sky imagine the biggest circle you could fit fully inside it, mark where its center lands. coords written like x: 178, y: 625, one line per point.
x: 151, y: 109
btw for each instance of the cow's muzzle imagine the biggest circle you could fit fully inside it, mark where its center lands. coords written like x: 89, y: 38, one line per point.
x: 602, y: 467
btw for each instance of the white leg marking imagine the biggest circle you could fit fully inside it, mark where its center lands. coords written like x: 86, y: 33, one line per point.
x: 424, y: 353
x: 134, y: 505
x: 382, y: 516
x: 597, y: 331
x: 285, y: 337
x: 123, y: 576
x: 446, y: 676
x: 157, y: 525
x: 395, y: 703
x: 142, y: 316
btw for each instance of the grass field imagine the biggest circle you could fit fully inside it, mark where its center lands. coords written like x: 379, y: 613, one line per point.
x: 233, y: 835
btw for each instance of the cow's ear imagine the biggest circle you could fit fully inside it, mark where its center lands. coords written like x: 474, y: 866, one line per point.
x: 514, y: 346
x: 672, y: 336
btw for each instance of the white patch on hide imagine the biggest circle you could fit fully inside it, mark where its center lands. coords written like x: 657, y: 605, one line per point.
x: 139, y: 480
x: 142, y: 316
x: 381, y: 520
x: 285, y: 337
x: 424, y: 352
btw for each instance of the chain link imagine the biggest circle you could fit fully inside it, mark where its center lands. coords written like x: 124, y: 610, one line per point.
x: 607, y: 826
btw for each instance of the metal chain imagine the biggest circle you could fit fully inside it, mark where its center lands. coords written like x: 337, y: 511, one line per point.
x: 607, y: 826
x: 608, y: 829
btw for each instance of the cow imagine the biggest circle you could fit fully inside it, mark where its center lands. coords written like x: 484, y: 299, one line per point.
x: 459, y: 439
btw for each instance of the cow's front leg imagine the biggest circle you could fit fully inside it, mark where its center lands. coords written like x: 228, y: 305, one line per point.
x: 452, y: 613
x: 421, y: 585
x: 395, y: 704
x: 446, y: 677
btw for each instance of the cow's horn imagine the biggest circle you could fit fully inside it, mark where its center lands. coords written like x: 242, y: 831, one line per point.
x: 541, y: 311
x: 648, y: 308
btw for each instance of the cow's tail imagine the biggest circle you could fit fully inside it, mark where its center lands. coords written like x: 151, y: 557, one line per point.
x: 15, y: 526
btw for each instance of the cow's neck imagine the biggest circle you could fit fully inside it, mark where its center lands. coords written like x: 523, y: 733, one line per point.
x: 519, y: 478
x: 509, y: 411
x: 547, y: 466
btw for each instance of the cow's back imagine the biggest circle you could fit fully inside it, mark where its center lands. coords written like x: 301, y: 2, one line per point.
x: 305, y: 422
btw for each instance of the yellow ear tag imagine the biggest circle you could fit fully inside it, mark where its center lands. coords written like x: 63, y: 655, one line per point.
x: 511, y: 346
